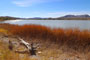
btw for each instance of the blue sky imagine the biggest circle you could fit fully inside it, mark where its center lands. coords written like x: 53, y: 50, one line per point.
x: 43, y: 8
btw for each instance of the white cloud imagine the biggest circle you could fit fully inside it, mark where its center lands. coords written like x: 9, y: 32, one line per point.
x: 26, y: 3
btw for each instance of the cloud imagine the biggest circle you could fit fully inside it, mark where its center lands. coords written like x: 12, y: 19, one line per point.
x: 26, y: 3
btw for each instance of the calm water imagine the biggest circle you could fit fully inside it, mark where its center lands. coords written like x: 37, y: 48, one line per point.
x: 55, y: 23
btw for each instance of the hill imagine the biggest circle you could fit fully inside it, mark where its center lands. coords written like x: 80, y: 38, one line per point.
x: 2, y: 18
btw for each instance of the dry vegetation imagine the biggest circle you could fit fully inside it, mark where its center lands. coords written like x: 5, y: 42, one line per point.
x: 71, y: 38
x: 59, y: 43
x: 6, y: 54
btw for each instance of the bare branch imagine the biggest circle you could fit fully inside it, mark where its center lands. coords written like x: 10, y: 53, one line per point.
x: 27, y: 45
x: 31, y: 47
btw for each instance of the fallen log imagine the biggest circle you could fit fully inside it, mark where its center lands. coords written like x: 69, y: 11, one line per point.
x: 30, y: 47
x: 24, y: 43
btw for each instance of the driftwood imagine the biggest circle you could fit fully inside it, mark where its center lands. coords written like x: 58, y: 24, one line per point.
x: 24, y: 43
x: 30, y: 47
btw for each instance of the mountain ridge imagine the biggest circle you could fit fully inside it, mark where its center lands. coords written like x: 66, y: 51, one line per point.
x: 66, y: 17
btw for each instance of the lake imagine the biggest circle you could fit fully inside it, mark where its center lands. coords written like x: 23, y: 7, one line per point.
x: 81, y: 24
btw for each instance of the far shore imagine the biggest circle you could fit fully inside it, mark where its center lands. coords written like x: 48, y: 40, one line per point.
x: 47, y: 19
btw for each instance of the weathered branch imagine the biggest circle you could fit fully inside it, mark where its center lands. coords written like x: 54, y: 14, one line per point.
x: 31, y: 48
x: 27, y: 45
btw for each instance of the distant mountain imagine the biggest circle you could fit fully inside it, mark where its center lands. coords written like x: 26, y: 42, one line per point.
x: 76, y: 16
x: 67, y: 17
x: 37, y: 18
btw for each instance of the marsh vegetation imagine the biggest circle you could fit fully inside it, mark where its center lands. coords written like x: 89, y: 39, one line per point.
x: 55, y: 44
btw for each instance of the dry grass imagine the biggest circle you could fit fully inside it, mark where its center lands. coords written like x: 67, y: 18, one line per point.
x: 6, y: 54
x: 58, y: 44
x: 4, y: 31
x: 47, y: 54
x: 72, y: 38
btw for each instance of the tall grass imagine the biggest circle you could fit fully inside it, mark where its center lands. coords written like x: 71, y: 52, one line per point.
x: 32, y: 31
x: 73, y: 38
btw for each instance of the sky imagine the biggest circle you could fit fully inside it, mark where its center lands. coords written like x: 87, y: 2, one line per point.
x: 43, y: 8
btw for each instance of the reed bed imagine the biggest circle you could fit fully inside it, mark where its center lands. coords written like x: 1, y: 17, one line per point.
x: 72, y: 38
